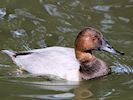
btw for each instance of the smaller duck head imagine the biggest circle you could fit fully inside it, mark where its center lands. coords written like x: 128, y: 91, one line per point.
x: 90, y: 39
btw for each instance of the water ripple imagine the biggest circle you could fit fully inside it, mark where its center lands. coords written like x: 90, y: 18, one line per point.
x: 75, y: 3
x: 65, y: 29
x: 52, y: 10
x: 25, y: 13
x: 3, y: 65
x: 124, y: 19
x: 121, y: 68
x: 2, y: 12
x: 18, y: 33
x: 102, y: 7
x: 52, y: 96
x: 12, y: 16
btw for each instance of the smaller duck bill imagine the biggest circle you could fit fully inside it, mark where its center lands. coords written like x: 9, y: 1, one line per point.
x: 106, y: 46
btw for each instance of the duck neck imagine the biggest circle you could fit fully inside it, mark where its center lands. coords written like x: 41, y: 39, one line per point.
x: 85, y: 56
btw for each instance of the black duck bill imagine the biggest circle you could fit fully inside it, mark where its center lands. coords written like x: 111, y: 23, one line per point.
x: 106, y: 46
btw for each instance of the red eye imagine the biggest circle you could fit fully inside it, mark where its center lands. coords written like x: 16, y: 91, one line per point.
x: 94, y: 39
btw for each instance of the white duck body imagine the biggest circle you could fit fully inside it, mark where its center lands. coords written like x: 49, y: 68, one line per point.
x: 54, y: 61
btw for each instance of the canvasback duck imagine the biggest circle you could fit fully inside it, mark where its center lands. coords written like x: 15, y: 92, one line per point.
x: 67, y: 63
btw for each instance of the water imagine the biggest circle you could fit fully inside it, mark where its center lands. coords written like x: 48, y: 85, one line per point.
x: 28, y: 24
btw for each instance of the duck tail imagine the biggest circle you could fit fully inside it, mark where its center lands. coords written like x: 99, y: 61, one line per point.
x: 9, y: 53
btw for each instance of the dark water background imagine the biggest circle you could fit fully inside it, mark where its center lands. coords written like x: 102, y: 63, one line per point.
x: 29, y: 24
